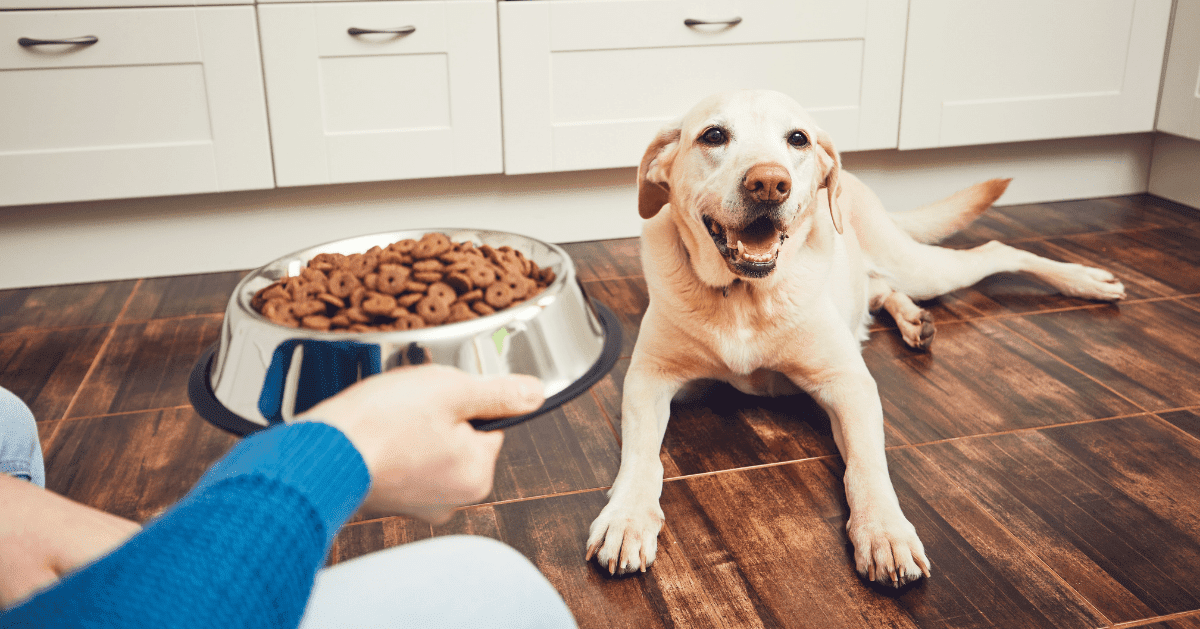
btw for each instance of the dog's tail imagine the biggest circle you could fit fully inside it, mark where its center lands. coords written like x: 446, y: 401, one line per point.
x: 931, y: 223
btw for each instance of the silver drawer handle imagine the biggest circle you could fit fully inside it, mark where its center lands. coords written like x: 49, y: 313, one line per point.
x: 403, y: 30
x: 86, y: 40
x: 734, y: 22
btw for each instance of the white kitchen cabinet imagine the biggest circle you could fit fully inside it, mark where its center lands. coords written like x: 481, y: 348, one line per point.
x: 422, y: 101
x: 1014, y: 70
x: 587, y: 83
x: 1179, y: 110
x: 165, y: 101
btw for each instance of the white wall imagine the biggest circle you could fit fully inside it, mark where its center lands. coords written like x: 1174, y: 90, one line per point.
x: 106, y: 240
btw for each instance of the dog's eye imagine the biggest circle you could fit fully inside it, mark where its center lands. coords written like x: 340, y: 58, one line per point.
x: 798, y: 139
x: 714, y: 136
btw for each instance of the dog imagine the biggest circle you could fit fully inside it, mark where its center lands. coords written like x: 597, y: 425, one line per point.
x: 764, y: 262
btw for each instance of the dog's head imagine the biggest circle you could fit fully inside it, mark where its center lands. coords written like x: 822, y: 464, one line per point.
x: 741, y: 170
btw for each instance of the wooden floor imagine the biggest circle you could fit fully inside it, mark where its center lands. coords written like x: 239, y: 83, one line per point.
x: 1047, y: 450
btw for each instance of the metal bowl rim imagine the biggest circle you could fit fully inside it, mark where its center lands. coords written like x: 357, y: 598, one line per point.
x: 523, y: 311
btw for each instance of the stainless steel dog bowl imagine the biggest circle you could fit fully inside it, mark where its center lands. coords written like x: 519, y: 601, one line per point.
x: 261, y: 373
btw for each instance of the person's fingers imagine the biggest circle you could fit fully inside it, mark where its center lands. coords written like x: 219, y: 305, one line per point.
x: 492, y: 397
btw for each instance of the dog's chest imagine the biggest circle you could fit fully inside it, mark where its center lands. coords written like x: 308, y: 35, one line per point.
x: 748, y: 336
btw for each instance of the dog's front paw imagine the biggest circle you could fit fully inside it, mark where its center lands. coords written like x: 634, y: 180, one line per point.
x: 624, y: 538
x: 887, y: 550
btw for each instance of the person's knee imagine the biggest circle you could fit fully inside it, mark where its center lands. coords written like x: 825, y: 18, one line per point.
x: 20, y: 448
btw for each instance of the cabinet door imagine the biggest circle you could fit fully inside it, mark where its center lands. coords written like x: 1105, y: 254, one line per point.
x: 587, y: 83
x: 1012, y: 70
x: 1179, y: 111
x: 166, y: 101
x: 422, y: 102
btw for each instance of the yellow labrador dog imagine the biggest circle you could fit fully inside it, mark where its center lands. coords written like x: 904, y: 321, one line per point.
x: 759, y: 279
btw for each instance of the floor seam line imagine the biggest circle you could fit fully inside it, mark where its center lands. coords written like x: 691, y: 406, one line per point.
x: 1155, y: 619
x: 112, y: 331
x: 1015, y: 431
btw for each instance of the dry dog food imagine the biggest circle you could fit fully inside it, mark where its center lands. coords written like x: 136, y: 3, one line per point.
x: 407, y: 285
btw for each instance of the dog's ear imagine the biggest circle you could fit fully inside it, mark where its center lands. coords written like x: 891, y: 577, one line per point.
x: 653, y: 191
x: 831, y: 164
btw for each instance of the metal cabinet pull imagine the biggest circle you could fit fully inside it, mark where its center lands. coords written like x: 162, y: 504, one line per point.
x: 403, y: 30
x: 734, y: 22
x: 86, y: 40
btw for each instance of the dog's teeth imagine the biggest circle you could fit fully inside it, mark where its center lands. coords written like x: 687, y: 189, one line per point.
x: 741, y: 249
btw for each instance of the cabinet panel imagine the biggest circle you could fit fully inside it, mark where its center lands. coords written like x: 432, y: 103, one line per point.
x: 382, y: 106
x: 167, y: 101
x: 1016, y: 70
x: 1179, y: 111
x: 587, y: 83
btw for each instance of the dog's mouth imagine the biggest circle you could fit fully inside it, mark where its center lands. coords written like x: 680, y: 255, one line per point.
x: 750, y: 250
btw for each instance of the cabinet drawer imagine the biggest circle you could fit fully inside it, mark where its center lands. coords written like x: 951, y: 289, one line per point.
x: 610, y: 24
x: 587, y: 83
x: 377, y: 106
x: 125, y: 37
x: 168, y: 101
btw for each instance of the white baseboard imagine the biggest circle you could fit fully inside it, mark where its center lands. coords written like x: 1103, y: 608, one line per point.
x: 1175, y: 171
x: 108, y: 240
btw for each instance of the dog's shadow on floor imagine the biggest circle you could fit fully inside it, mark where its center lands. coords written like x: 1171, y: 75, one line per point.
x: 715, y: 427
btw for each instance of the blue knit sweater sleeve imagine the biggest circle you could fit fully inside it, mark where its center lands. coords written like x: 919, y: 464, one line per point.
x: 240, y: 550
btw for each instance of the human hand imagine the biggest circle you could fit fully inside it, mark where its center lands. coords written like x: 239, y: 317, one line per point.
x: 411, y: 427
x: 44, y: 536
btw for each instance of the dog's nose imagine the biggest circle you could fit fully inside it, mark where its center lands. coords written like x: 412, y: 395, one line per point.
x: 768, y: 182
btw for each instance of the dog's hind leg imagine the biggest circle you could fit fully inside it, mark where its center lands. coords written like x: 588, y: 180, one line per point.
x: 914, y: 322
x: 926, y: 271
x: 923, y: 271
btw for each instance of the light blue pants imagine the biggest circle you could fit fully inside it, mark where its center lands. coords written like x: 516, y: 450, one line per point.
x: 20, y: 449
x: 453, y: 582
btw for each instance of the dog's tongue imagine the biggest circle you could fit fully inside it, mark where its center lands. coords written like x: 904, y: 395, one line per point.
x: 754, y: 244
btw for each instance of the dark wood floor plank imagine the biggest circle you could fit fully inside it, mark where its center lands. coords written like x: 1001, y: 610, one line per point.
x: 1064, y: 218
x: 1142, y: 350
x: 568, y: 449
x: 995, y: 224
x: 767, y: 548
x: 368, y: 536
x: 1168, y: 258
x: 606, y: 259
x: 63, y: 306
x: 146, y: 366
x: 182, y: 295
x: 46, y: 368
x: 980, y: 378
x: 1183, y: 622
x: 628, y: 299
x: 719, y: 428
x: 134, y: 465
x: 1187, y: 420
x: 1104, y: 504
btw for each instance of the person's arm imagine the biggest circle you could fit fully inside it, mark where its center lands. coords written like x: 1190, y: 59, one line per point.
x: 44, y: 536
x: 241, y: 549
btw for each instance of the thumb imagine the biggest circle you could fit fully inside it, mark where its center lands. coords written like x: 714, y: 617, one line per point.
x: 493, y: 397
